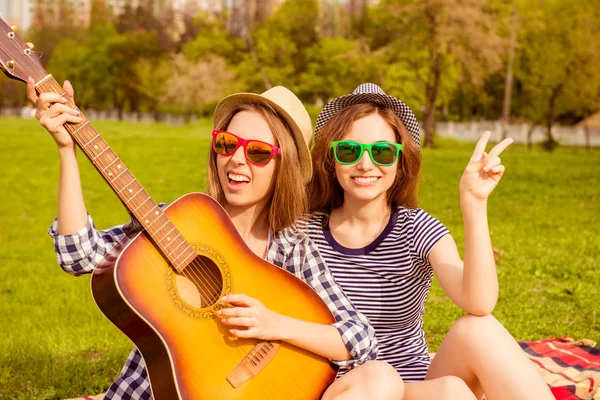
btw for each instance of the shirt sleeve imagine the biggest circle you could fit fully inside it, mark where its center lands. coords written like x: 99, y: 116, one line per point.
x: 80, y: 252
x: 427, y: 231
x: 356, y: 331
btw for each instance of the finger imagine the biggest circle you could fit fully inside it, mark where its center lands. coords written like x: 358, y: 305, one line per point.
x: 243, y: 333
x: 45, y: 100
x: 234, y: 312
x: 68, y: 88
x: 57, y: 108
x: 241, y: 299
x: 498, y: 169
x: 31, y: 93
x: 239, y: 321
x: 491, y: 163
x: 480, y: 146
x: 500, y: 147
x: 54, y: 123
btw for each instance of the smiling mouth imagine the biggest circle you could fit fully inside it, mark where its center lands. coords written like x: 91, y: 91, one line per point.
x: 365, y: 180
x: 237, y: 181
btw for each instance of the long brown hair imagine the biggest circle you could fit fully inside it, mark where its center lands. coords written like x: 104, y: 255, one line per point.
x: 325, y: 192
x: 288, y: 200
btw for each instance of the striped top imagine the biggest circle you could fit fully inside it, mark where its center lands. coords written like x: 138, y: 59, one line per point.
x: 388, y: 281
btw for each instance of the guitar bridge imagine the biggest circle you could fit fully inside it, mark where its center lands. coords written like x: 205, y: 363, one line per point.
x: 253, y: 363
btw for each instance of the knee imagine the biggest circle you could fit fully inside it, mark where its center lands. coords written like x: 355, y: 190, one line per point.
x: 452, y: 387
x: 471, y: 327
x: 383, y: 381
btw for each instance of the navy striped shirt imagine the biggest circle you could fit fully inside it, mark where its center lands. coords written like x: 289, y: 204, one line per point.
x: 388, y: 281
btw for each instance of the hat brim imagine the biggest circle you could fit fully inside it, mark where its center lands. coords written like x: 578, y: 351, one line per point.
x: 232, y: 101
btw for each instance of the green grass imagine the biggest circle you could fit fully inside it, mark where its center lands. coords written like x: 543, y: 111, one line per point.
x: 54, y: 342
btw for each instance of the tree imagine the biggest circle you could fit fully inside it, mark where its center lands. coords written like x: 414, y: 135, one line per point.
x: 557, y: 69
x: 441, y: 34
x: 196, y: 84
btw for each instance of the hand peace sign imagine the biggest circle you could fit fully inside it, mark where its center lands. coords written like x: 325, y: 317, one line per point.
x: 484, y: 171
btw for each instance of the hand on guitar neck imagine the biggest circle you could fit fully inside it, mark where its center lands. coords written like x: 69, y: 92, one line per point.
x: 53, y: 113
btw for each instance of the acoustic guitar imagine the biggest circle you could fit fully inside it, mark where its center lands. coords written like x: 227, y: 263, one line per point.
x: 163, y: 288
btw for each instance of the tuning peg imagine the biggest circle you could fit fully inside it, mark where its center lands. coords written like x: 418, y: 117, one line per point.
x: 31, y: 46
x: 14, y: 28
x: 11, y: 64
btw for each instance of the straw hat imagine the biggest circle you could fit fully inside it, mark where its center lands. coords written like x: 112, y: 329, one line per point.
x: 289, y: 107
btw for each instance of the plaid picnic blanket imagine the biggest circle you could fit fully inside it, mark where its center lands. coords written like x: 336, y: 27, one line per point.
x: 571, y: 368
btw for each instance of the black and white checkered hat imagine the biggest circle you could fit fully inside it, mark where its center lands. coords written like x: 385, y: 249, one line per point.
x: 371, y: 93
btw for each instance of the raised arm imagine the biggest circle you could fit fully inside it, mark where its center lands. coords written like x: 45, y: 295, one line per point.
x: 473, y: 284
x: 53, y: 114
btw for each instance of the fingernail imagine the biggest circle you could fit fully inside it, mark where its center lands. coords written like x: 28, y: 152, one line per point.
x: 76, y: 112
x: 224, y: 320
x: 79, y: 119
x: 219, y: 312
x: 224, y: 298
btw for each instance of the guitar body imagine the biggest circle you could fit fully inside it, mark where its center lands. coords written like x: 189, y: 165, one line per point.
x: 189, y: 353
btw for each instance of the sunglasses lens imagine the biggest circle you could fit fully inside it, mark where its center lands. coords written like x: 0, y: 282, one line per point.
x: 225, y: 143
x: 259, y: 153
x: 384, y: 153
x: 347, y: 152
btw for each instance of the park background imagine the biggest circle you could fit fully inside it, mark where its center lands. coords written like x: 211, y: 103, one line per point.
x: 151, y: 72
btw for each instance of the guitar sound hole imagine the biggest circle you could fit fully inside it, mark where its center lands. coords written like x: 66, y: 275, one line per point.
x: 201, y: 283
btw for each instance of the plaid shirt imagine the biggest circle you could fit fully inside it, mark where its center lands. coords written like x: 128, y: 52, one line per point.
x: 81, y: 251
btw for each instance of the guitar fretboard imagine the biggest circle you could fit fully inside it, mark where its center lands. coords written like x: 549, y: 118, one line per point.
x: 133, y: 195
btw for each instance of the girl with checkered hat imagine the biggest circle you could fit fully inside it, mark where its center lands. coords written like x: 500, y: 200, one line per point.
x: 383, y: 251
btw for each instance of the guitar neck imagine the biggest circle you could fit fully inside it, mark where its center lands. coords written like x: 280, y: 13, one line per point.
x: 135, y: 198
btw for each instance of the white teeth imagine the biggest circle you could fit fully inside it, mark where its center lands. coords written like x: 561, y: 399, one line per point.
x: 238, y: 178
x: 361, y: 179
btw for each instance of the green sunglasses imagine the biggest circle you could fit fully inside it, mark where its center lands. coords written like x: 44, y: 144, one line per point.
x: 348, y: 152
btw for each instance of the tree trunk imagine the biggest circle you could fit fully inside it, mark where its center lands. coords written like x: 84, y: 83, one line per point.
x: 431, y: 97
x: 552, y: 114
x: 509, y: 73
x: 586, y: 129
x: 529, y: 134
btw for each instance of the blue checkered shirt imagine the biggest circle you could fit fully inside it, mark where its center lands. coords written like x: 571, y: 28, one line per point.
x: 80, y: 252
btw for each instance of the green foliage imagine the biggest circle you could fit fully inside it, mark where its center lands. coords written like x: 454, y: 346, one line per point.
x: 446, y: 58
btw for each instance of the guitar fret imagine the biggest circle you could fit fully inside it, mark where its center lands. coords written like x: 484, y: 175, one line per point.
x: 172, y: 240
x: 175, y: 249
x: 125, y: 187
x: 167, y: 234
x: 80, y: 128
x: 178, y: 255
x: 135, y: 194
x: 111, y: 163
x: 162, y: 226
x: 138, y: 207
x: 122, y: 172
x: 152, y: 209
x: 183, y: 262
x: 99, y: 154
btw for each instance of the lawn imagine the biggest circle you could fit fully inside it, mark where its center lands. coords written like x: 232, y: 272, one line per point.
x: 55, y: 343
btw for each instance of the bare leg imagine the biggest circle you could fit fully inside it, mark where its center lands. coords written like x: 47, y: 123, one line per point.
x: 444, y: 388
x: 481, y: 352
x: 374, y: 380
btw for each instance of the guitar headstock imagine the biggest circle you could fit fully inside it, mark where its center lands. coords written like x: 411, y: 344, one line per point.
x: 17, y: 59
